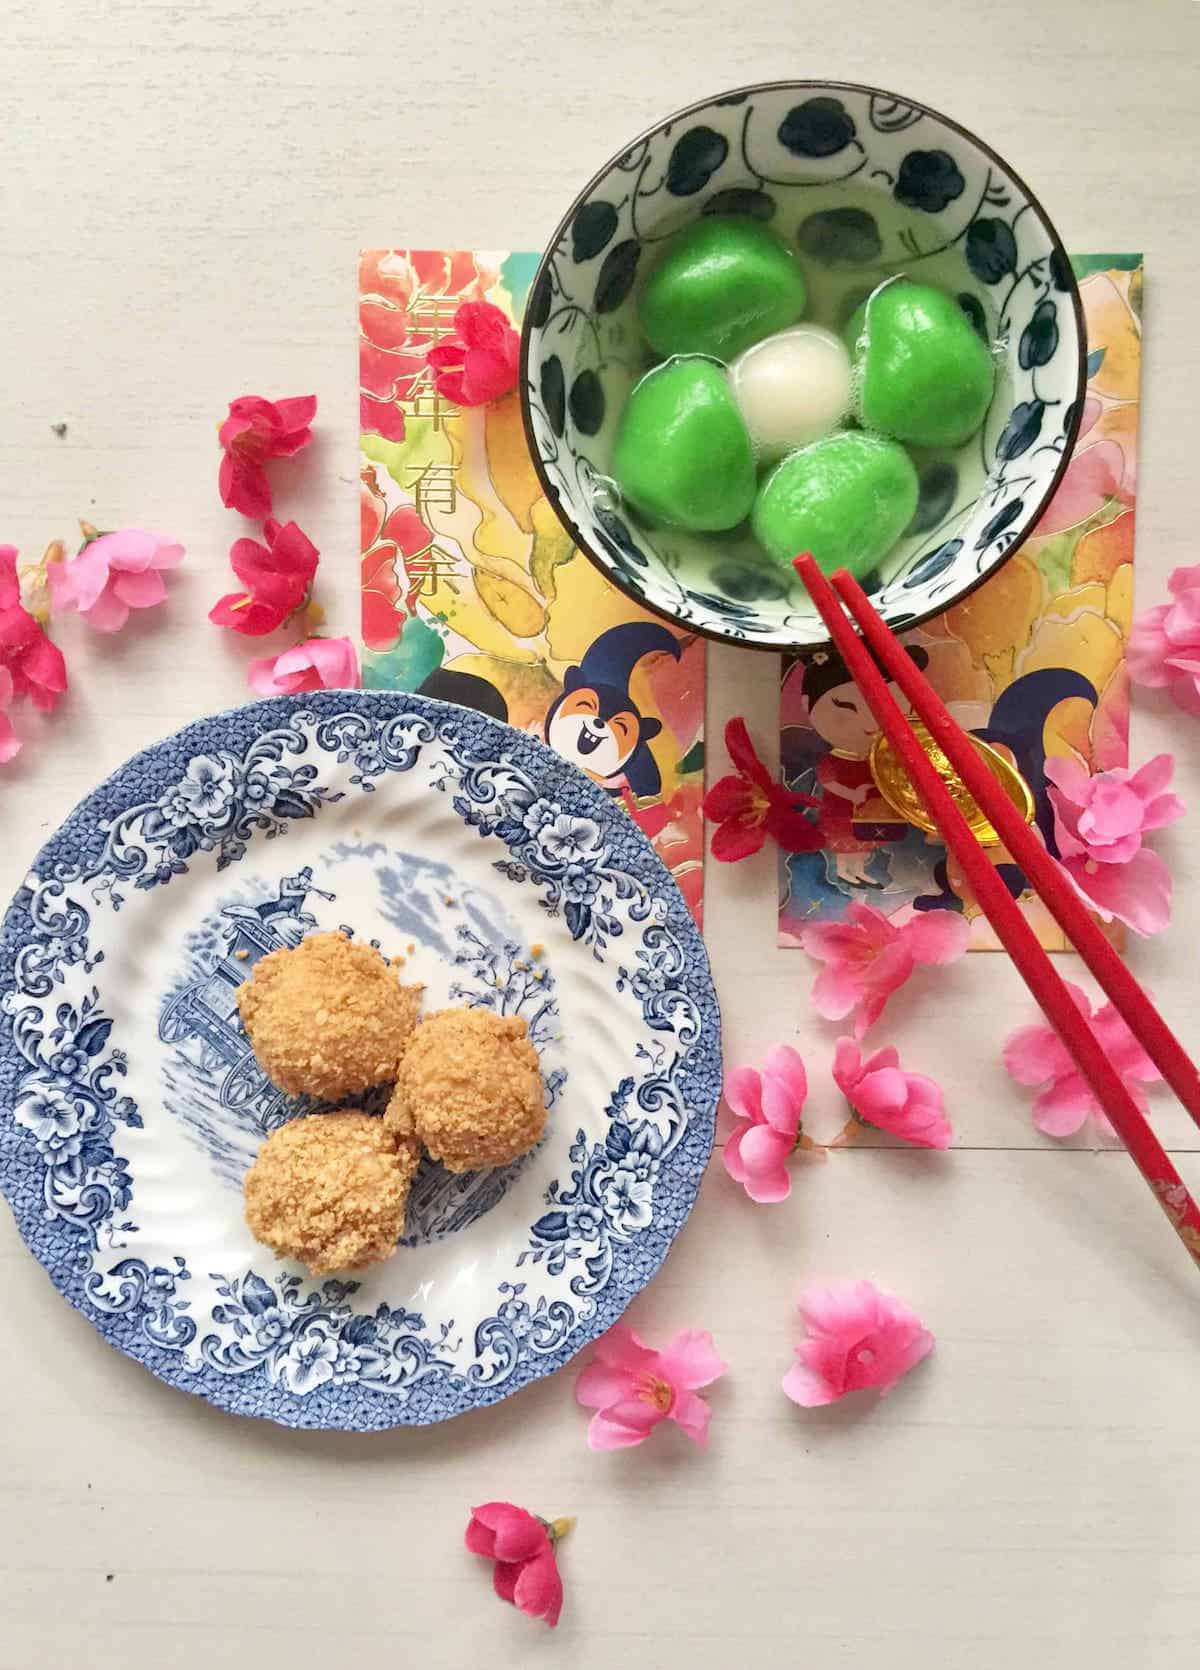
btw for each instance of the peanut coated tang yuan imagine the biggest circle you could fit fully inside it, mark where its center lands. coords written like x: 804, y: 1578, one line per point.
x: 327, y: 1017
x: 330, y: 1190
x: 470, y: 1089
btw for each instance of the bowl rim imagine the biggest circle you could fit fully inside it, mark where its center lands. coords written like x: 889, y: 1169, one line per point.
x: 698, y: 105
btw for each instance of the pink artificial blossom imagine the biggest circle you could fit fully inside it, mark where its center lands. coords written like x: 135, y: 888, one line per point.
x: 1164, y: 645
x: 1036, y: 1055
x: 909, y: 1105
x: 479, y: 363
x: 767, y: 1106
x: 632, y: 1387
x: 315, y: 664
x: 857, y: 1337
x: 255, y: 430
x: 1105, y: 816
x: 867, y: 957
x: 522, y: 1545
x: 111, y: 575
x: 1099, y: 823
x: 34, y: 664
x: 10, y: 742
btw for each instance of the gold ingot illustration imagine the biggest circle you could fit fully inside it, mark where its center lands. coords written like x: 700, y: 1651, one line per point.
x: 892, y: 781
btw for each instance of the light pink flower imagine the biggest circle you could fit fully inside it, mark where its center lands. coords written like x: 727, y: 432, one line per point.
x: 1105, y: 816
x: 1164, y: 645
x: 1097, y: 472
x: 1036, y: 1055
x: 10, y: 742
x: 768, y: 1105
x: 867, y: 957
x: 316, y: 664
x: 522, y: 1545
x: 632, y: 1387
x: 113, y: 574
x: 857, y: 1337
x: 909, y: 1105
x: 1099, y: 823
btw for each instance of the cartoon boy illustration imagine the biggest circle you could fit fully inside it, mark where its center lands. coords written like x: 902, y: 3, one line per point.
x: 595, y: 722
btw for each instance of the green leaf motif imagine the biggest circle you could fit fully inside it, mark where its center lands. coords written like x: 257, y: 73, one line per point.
x: 403, y: 460
x: 409, y: 663
x: 693, y: 760
x: 1085, y: 264
x: 1057, y: 555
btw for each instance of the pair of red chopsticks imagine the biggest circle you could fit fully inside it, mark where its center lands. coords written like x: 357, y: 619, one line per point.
x: 1002, y: 911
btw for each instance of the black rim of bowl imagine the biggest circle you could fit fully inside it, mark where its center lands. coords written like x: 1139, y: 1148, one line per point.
x: 1057, y: 247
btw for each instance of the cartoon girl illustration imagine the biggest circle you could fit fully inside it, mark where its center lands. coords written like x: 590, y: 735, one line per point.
x: 853, y: 813
x: 835, y: 745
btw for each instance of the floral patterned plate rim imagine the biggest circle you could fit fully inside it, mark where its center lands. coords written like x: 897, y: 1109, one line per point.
x: 130, y: 1103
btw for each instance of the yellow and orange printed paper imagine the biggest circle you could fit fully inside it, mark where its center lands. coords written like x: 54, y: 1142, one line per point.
x: 1034, y: 661
x: 471, y: 589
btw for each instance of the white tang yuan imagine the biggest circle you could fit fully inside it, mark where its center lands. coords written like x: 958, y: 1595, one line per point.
x: 793, y: 388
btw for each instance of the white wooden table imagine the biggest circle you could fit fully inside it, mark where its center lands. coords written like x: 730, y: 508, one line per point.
x: 183, y: 189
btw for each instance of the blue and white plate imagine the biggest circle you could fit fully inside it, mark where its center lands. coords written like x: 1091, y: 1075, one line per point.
x: 131, y: 1105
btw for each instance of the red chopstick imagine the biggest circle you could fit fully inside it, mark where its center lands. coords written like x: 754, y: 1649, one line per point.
x: 1002, y: 911
x: 1042, y: 873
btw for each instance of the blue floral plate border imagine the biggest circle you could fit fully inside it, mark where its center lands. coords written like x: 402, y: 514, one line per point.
x: 119, y: 835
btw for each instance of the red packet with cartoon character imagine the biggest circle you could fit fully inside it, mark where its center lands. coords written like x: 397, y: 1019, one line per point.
x: 1033, y: 663
x: 473, y: 592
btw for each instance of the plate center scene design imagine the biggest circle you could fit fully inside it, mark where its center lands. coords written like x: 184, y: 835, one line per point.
x: 458, y: 943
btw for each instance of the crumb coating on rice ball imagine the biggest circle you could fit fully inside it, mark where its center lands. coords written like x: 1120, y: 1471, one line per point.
x: 470, y: 1089
x: 327, y: 1017
x: 330, y: 1190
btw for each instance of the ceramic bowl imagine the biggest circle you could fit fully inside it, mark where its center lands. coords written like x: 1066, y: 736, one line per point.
x: 864, y: 184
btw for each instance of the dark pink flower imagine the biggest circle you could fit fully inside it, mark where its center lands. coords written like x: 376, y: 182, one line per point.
x: 255, y: 430
x: 479, y: 363
x: 767, y: 1105
x: 909, y: 1105
x: 34, y: 664
x: 751, y: 805
x: 276, y: 575
x: 1036, y: 1055
x: 10, y: 742
x: 632, y: 1387
x: 1164, y: 645
x: 111, y: 575
x: 316, y: 664
x: 522, y: 1545
x: 1099, y: 823
x: 397, y: 324
x: 867, y: 957
x: 857, y: 1337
